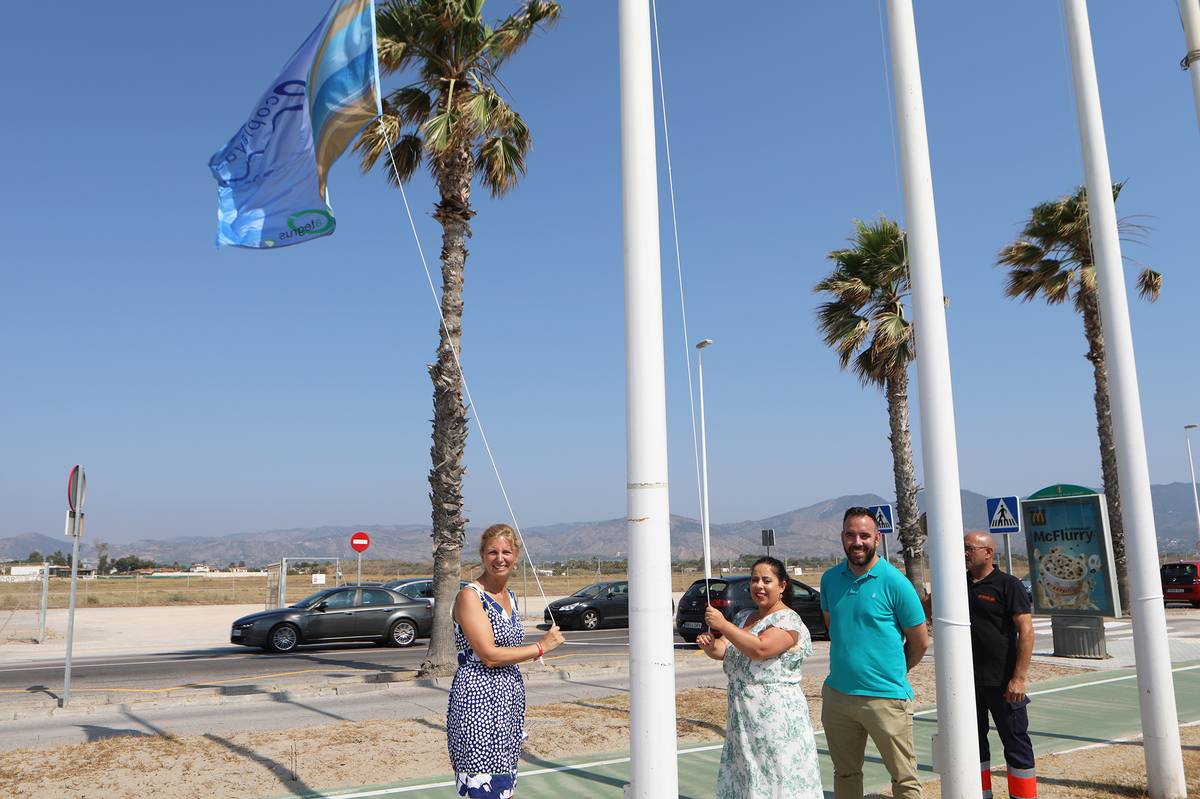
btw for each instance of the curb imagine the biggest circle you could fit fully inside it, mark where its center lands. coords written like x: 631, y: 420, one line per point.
x: 275, y: 692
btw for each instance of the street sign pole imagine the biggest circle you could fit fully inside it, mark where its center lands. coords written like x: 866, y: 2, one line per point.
x: 45, y: 600
x: 76, y: 491
x: 1008, y: 552
x: 359, y: 543
x: 883, y: 515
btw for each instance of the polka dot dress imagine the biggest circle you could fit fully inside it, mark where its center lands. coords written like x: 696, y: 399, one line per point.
x: 485, y: 722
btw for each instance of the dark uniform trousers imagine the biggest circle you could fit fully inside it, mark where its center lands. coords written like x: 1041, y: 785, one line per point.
x: 1012, y: 723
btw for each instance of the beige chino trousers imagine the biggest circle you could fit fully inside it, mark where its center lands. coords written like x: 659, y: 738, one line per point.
x: 848, y: 720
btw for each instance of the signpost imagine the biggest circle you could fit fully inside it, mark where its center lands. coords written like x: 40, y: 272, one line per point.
x: 359, y: 543
x: 76, y: 493
x: 1004, y: 518
x: 768, y: 539
x: 883, y: 522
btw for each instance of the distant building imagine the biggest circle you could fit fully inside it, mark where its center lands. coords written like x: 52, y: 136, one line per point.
x: 199, y: 568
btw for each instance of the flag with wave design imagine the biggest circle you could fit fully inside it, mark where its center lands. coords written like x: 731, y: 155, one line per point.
x: 271, y: 176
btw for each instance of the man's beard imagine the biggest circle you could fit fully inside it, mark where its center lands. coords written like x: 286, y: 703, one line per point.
x: 858, y: 556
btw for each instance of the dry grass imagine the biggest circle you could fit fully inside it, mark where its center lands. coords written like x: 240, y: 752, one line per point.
x: 139, y: 591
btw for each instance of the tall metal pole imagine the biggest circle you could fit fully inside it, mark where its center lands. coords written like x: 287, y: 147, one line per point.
x: 76, y: 520
x: 1156, y: 691
x: 45, y: 604
x: 955, y: 678
x: 1008, y: 553
x: 704, y: 467
x: 653, y: 767
x: 1192, y: 467
x: 1189, y: 13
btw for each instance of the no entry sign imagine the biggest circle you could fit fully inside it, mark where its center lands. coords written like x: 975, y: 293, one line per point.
x: 360, y: 541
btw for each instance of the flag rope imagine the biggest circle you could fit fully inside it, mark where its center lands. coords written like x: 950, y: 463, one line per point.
x: 462, y: 375
x: 687, y: 349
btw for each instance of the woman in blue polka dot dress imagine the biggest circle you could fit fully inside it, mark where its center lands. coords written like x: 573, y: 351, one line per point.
x: 485, y: 722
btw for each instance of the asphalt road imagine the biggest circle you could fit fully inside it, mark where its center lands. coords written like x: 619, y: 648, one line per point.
x: 235, y: 665
x: 232, y: 666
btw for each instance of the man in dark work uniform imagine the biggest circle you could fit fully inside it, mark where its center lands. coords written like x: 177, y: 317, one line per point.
x: 1001, y: 646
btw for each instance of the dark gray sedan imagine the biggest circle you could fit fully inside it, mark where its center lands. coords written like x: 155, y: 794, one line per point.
x: 348, y: 613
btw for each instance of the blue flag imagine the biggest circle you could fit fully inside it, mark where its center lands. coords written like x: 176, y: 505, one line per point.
x: 271, y: 189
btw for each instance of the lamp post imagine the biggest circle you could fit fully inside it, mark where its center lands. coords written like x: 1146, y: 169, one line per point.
x: 703, y: 466
x: 1192, y: 467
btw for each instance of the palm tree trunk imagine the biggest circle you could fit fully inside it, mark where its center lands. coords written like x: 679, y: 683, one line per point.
x: 454, y: 171
x: 912, y: 538
x: 1089, y: 305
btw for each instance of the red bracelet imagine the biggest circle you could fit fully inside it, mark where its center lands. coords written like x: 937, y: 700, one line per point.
x: 540, y: 650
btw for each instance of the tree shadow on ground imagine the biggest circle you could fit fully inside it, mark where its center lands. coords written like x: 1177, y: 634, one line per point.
x: 1090, y: 788
x: 95, y: 732
x: 275, y: 696
x: 286, y: 776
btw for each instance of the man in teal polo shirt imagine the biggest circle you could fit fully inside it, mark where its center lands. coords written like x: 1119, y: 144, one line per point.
x: 877, y: 631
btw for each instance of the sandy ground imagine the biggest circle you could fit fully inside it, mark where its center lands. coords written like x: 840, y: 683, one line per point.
x: 1110, y: 772
x: 332, y: 756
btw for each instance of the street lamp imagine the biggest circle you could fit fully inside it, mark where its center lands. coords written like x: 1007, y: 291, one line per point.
x: 1192, y: 466
x: 703, y: 466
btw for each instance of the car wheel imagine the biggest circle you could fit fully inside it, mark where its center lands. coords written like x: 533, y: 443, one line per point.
x: 590, y: 620
x: 402, y: 633
x: 283, y: 638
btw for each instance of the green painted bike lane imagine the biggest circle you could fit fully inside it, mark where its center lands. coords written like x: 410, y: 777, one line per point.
x: 1070, y: 713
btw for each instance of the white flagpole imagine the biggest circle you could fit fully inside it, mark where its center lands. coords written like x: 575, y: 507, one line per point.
x: 653, y: 767
x: 958, y: 757
x: 1156, y: 692
x: 1189, y: 14
x: 703, y: 470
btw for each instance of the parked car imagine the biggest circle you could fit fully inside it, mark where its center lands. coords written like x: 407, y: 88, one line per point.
x: 592, y: 607
x: 417, y: 587
x: 731, y: 595
x: 333, y: 615
x: 1181, y: 582
x: 1028, y: 590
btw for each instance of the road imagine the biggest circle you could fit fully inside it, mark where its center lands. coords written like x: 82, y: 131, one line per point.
x: 236, y: 665
x: 232, y: 666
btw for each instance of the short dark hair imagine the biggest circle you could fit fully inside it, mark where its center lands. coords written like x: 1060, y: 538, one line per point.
x: 780, y: 574
x: 859, y: 510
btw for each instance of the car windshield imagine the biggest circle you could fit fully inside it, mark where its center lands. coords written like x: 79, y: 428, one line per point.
x: 1179, y: 570
x: 309, y: 601
x: 592, y: 591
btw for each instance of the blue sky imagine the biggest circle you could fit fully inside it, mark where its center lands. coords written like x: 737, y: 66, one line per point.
x: 210, y: 392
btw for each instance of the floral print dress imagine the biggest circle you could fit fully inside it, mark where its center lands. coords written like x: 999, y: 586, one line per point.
x: 770, y: 751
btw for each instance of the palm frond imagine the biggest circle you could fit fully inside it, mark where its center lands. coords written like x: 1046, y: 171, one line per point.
x: 513, y: 32
x: 501, y: 163
x: 1149, y: 285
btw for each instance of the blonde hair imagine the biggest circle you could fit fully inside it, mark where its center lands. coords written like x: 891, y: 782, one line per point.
x: 499, y: 531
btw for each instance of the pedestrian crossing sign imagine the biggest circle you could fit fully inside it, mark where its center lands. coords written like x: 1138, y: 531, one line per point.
x: 883, y: 517
x: 1004, y: 515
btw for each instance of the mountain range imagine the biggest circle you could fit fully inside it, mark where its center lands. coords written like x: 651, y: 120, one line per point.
x: 811, y: 531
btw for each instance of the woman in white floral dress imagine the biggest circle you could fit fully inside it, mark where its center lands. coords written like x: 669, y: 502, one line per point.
x: 770, y: 751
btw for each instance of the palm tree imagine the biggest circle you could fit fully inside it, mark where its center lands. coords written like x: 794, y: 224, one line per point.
x: 865, y: 324
x: 452, y: 117
x: 1053, y: 258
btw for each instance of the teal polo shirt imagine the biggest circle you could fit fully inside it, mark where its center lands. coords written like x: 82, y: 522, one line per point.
x: 866, y: 618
